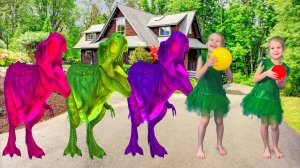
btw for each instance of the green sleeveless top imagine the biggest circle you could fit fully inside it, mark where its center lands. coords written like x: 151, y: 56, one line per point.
x: 208, y: 96
x: 211, y: 82
x: 267, y: 88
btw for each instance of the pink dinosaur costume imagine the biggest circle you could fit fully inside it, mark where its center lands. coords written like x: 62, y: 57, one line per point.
x: 27, y: 87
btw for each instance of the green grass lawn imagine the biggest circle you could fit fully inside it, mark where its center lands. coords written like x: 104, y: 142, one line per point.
x: 291, y: 107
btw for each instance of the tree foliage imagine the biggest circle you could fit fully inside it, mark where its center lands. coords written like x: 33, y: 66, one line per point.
x: 30, y: 40
x: 288, y: 27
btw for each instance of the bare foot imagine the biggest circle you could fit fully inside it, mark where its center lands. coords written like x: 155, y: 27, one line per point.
x: 200, y: 154
x: 222, y: 150
x: 278, y: 153
x: 267, y: 154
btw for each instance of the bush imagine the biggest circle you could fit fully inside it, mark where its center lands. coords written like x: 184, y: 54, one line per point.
x: 139, y: 54
x: 293, y: 82
x: 9, y: 57
x: 243, y: 79
x: 30, y: 40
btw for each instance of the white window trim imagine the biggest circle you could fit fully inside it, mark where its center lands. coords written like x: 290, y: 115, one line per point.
x: 165, y: 35
x: 124, y: 25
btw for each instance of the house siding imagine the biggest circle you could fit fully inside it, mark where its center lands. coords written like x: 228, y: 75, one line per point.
x: 129, y: 31
x: 192, y: 35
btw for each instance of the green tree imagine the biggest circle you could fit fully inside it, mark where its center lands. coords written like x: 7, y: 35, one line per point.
x: 47, y: 25
x: 246, y: 24
x: 288, y: 27
x: 2, y: 44
x: 177, y: 6
x: 157, y: 7
x: 30, y: 40
x: 101, y: 19
x: 73, y: 34
x: 60, y: 13
x: 110, y: 5
x: 131, y: 3
x: 13, y: 14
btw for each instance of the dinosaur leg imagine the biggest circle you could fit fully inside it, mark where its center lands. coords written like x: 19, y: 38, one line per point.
x: 94, y: 148
x: 11, y: 148
x: 72, y: 147
x: 133, y: 146
x: 155, y: 147
x: 33, y: 149
x: 74, y: 119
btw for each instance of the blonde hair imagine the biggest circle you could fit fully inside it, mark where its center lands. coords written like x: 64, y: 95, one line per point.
x: 278, y: 39
x: 222, y: 37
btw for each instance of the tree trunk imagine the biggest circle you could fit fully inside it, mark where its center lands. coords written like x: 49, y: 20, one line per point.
x: 251, y: 59
x: 246, y: 66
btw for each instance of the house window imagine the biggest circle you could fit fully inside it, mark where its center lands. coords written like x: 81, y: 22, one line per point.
x: 164, y: 31
x: 121, y: 25
x: 90, y: 36
x: 89, y: 57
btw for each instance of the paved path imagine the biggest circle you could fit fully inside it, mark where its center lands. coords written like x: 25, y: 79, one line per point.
x: 177, y: 134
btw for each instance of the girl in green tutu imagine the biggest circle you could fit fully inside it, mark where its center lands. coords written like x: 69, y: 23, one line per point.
x: 264, y: 99
x: 208, y: 98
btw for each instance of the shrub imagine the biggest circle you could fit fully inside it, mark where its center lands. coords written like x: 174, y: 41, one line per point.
x: 243, y: 79
x: 8, y: 57
x: 30, y: 40
x: 139, y: 54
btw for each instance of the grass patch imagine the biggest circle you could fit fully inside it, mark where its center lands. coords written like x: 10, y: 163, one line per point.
x: 291, y: 107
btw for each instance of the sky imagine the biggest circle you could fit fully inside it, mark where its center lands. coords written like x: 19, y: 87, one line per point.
x: 103, y: 7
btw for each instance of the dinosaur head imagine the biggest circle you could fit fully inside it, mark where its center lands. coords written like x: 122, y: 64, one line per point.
x: 49, y: 59
x: 173, y: 49
x: 110, y: 52
x: 171, y: 56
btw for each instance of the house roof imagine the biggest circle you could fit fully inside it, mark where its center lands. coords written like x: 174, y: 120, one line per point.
x: 133, y: 42
x: 165, y: 20
x: 140, y: 20
x: 95, y: 28
x: 187, y: 22
x: 193, y: 43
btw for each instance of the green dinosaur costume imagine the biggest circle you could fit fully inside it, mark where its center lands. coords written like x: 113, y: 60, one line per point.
x: 91, y: 86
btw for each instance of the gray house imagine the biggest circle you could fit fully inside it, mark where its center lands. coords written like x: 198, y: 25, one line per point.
x: 142, y: 29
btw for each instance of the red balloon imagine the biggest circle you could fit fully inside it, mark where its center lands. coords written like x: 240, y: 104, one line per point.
x: 280, y: 70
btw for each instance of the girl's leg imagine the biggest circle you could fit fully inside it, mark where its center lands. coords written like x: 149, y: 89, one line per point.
x: 275, y: 137
x: 201, y: 133
x: 220, y: 132
x: 265, y: 136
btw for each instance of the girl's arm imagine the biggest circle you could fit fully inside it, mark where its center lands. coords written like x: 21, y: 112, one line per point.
x: 228, y: 74
x: 260, y: 75
x: 281, y: 83
x: 201, y: 69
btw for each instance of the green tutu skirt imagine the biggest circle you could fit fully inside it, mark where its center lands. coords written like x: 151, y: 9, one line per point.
x: 205, y: 104
x: 270, y: 112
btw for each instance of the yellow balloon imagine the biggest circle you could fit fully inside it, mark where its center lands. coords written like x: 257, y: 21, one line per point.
x: 223, y: 57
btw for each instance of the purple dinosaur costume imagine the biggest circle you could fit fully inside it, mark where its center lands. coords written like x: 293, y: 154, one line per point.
x: 27, y: 87
x: 152, y: 85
